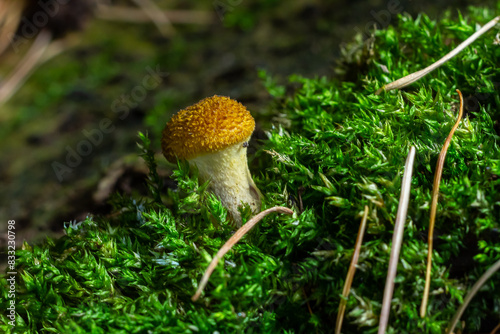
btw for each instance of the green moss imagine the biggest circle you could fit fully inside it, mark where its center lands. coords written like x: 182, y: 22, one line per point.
x: 339, y: 148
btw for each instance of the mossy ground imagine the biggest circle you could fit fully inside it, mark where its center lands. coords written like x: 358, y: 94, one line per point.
x: 334, y: 148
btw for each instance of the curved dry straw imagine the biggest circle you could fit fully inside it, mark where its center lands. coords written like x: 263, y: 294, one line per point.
x: 232, y: 241
x: 475, y: 288
x: 410, y: 78
x: 350, y: 272
x: 435, y: 195
x: 495, y: 329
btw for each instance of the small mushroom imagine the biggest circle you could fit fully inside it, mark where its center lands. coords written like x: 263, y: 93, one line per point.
x: 213, y: 135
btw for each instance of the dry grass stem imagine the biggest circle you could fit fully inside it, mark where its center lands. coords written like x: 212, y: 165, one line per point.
x: 232, y: 241
x: 495, y: 329
x: 350, y: 272
x: 410, y: 78
x: 397, y: 240
x: 475, y: 288
x: 435, y: 195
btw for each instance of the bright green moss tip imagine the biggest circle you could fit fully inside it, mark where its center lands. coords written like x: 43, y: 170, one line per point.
x: 338, y: 148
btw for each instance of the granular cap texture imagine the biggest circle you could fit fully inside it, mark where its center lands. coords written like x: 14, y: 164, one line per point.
x: 208, y: 126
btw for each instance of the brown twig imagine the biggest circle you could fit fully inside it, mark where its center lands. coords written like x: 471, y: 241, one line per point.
x: 232, y: 241
x: 351, y: 271
x: 435, y: 195
x: 495, y: 329
x: 307, y: 302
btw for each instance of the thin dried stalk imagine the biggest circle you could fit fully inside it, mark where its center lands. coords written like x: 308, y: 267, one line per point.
x: 123, y: 13
x: 410, y: 78
x: 351, y: 271
x: 159, y: 19
x: 26, y: 66
x: 475, y: 288
x: 232, y: 241
x: 397, y: 240
x: 435, y: 195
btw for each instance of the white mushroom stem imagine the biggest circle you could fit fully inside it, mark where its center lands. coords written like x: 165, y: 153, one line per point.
x: 230, y: 179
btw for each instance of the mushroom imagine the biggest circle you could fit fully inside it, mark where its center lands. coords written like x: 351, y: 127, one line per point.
x: 213, y: 135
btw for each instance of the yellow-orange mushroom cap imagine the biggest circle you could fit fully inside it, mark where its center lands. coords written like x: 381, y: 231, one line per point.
x: 208, y: 126
x: 211, y: 136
